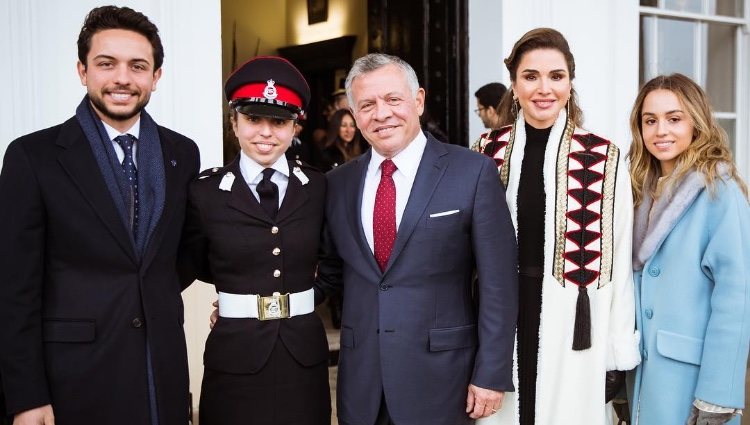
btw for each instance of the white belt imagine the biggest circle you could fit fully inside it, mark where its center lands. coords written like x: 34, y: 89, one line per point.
x: 276, y: 306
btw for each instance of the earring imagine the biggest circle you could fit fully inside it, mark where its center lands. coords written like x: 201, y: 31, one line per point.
x: 514, y: 108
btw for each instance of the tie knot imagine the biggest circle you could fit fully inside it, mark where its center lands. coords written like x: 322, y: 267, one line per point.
x: 125, y: 141
x: 388, y: 168
x: 267, y: 173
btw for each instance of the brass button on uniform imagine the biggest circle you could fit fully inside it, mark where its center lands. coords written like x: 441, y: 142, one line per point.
x: 276, y: 251
x: 276, y: 273
x: 274, y: 230
x: 136, y: 323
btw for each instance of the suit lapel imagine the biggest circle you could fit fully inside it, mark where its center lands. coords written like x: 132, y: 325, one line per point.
x: 295, y: 196
x: 241, y: 197
x: 355, y: 189
x: 79, y: 163
x: 172, y: 187
x: 431, y: 170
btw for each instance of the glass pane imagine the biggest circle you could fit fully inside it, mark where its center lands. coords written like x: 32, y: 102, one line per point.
x: 651, y: 3
x: 729, y: 126
x: 720, y: 66
x: 695, y: 6
x: 647, y: 63
x: 726, y: 8
x: 676, y: 47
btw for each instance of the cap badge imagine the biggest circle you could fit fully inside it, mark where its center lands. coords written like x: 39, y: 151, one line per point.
x: 270, y: 91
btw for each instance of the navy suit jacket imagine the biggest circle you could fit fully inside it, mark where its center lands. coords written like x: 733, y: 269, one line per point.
x: 413, y: 333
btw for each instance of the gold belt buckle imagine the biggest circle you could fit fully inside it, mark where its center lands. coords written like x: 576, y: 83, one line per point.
x: 273, y: 307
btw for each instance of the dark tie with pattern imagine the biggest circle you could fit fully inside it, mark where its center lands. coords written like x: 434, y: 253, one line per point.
x: 268, y: 193
x: 384, y: 214
x: 126, y: 142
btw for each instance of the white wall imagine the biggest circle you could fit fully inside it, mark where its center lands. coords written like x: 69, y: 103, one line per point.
x: 603, y: 36
x: 42, y: 89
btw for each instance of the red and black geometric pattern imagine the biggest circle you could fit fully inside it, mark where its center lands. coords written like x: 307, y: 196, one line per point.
x: 497, y: 148
x: 584, y: 217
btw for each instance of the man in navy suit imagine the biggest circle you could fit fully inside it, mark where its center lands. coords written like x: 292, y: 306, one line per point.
x: 408, y: 224
x: 92, y: 216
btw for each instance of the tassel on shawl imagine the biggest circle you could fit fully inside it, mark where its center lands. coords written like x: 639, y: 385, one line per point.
x: 582, y: 328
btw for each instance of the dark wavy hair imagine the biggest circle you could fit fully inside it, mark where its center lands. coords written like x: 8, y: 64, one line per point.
x: 539, y: 38
x: 124, y: 18
x: 348, y: 150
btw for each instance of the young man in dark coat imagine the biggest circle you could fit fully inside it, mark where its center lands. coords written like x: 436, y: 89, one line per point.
x: 93, y: 212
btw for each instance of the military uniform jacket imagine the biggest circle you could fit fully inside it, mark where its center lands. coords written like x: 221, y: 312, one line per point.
x: 230, y: 241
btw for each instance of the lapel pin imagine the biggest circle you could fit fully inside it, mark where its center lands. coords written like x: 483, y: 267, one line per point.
x: 300, y: 175
x: 174, y: 163
x: 227, y: 181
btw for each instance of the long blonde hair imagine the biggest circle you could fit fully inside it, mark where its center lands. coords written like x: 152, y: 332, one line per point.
x: 539, y: 38
x: 708, y: 149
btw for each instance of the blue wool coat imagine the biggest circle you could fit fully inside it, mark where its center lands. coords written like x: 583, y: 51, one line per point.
x: 692, y: 283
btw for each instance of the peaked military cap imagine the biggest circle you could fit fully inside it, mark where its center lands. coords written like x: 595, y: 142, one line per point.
x: 268, y: 86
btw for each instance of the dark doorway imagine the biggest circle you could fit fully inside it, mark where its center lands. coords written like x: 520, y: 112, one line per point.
x: 431, y: 35
x: 323, y: 64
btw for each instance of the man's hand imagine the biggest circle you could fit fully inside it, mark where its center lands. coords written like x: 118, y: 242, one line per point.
x: 214, y: 314
x: 37, y: 416
x: 481, y: 402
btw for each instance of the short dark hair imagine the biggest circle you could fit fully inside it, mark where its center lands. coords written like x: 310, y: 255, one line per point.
x: 489, y: 95
x: 113, y: 17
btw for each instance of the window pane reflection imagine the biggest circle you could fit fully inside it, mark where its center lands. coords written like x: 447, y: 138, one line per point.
x: 675, y: 47
x: 695, y: 6
x: 720, y: 67
x: 729, y: 126
x: 726, y: 8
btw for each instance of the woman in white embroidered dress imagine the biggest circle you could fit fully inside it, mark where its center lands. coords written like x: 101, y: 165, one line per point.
x: 691, y: 260
x: 569, y: 196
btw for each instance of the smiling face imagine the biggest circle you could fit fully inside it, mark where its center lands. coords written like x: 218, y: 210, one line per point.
x: 542, y: 86
x: 347, y: 128
x: 666, y: 128
x: 263, y: 139
x: 386, y: 110
x: 119, y: 76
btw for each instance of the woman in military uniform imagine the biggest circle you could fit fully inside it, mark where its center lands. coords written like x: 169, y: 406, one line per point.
x: 253, y: 230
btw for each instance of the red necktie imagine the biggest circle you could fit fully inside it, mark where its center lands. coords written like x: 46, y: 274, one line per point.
x: 384, y: 214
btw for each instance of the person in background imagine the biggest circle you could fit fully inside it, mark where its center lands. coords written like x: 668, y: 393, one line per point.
x: 89, y: 292
x: 343, y: 140
x: 253, y: 229
x: 488, y: 100
x: 691, y: 260
x: 570, y: 199
x: 407, y: 223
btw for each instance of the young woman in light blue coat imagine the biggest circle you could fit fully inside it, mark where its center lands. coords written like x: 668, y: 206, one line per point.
x: 691, y: 260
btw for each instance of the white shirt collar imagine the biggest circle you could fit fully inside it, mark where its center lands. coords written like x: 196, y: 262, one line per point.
x: 407, y: 161
x: 135, y: 130
x: 251, y: 170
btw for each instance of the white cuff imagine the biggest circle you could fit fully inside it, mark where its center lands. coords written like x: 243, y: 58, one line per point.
x: 623, y: 352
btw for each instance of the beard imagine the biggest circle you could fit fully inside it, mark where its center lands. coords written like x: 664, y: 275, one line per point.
x: 101, y: 107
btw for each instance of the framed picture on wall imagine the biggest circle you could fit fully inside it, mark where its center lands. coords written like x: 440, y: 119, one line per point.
x: 317, y: 11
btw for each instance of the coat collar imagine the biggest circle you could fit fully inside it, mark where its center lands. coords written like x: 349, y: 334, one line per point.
x: 667, y: 211
x: 243, y: 200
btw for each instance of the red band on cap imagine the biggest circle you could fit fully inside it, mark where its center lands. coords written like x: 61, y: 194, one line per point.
x: 283, y: 94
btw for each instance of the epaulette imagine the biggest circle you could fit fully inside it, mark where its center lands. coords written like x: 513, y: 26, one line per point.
x: 210, y: 172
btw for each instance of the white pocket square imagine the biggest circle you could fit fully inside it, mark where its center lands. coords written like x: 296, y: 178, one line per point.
x: 444, y: 213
